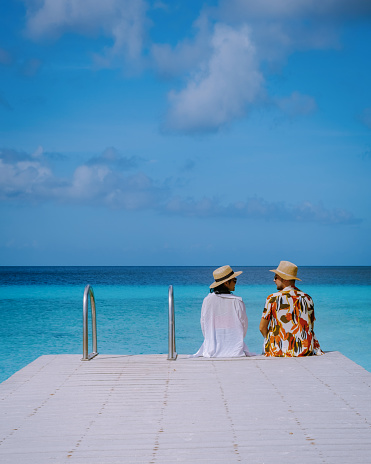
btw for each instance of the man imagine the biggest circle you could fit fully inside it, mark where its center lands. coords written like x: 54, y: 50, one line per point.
x: 223, y: 318
x: 288, y: 317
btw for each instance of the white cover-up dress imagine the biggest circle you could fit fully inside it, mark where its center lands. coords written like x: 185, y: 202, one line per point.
x: 224, y: 326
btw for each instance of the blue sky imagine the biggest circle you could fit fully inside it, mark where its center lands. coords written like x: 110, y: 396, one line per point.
x: 185, y: 132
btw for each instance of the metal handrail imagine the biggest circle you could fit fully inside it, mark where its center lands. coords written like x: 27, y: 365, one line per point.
x: 172, y: 351
x: 85, y: 356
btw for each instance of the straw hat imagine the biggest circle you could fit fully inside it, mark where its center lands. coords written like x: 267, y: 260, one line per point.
x: 286, y: 270
x: 222, y: 274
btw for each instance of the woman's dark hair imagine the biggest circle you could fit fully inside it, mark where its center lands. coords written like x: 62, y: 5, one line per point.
x: 220, y: 289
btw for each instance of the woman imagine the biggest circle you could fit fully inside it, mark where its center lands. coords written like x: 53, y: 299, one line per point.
x: 223, y: 318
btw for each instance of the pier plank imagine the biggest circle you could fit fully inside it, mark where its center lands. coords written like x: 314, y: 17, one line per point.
x: 146, y: 409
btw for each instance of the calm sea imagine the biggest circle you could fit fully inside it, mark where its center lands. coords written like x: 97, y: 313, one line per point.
x: 41, y: 309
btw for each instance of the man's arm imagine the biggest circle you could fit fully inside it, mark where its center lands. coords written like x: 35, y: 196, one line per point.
x: 263, y: 327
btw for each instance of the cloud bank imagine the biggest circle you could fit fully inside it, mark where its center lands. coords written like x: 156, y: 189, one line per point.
x: 248, y: 41
x: 223, y: 63
x: 104, y: 181
x: 273, y: 30
x: 123, y: 21
x: 260, y: 209
x: 297, y: 104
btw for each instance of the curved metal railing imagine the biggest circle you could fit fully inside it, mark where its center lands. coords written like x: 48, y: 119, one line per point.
x: 172, y: 351
x: 85, y: 338
x: 90, y: 293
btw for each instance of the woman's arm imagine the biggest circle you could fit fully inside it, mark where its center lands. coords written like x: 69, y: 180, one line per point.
x: 241, y: 313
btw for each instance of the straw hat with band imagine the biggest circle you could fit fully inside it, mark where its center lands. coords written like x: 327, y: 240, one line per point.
x: 223, y: 274
x: 286, y: 270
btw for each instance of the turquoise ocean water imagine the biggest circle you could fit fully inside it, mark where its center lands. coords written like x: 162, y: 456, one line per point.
x: 41, y: 309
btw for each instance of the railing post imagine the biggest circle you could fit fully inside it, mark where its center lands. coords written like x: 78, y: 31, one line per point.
x: 172, y: 351
x: 88, y: 292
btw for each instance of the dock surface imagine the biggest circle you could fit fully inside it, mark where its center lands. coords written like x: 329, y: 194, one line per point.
x: 146, y: 409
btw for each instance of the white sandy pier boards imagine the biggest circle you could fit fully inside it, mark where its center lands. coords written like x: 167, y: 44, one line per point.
x: 145, y: 409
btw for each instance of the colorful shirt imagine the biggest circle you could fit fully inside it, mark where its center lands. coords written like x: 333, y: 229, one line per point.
x: 291, y: 316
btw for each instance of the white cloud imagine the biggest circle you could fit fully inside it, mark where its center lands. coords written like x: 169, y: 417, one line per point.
x: 260, y: 209
x: 102, y: 185
x: 122, y: 20
x: 297, y: 104
x: 100, y: 182
x: 221, y: 60
x: 29, y: 179
x: 280, y: 27
x: 23, y: 179
x: 228, y: 64
x: 294, y: 9
x: 222, y: 88
x: 171, y: 61
x: 111, y: 157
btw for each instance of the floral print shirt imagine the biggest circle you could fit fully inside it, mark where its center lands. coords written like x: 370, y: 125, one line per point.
x: 290, y: 332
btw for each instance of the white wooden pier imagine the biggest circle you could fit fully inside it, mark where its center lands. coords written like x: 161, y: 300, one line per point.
x: 146, y: 409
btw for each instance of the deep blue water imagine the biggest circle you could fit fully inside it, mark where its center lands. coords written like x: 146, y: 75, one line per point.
x: 41, y: 309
